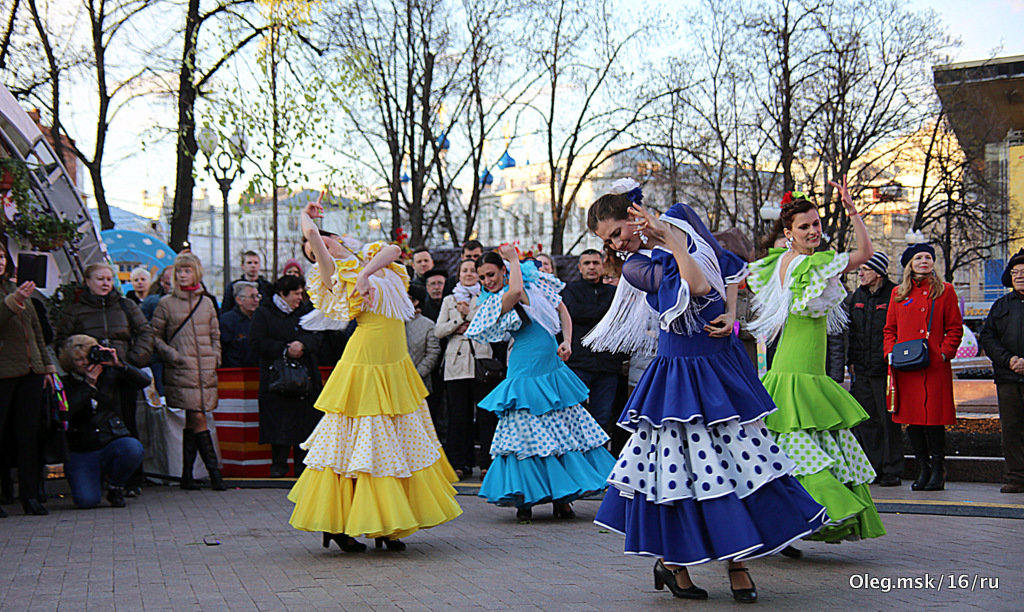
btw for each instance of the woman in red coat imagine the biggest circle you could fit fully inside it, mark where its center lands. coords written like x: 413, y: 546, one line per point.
x: 923, y: 399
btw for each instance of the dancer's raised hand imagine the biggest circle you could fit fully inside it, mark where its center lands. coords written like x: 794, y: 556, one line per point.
x: 844, y: 193
x: 315, y: 210
x: 646, y: 224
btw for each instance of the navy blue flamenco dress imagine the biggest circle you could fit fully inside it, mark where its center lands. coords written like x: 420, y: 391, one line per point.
x: 700, y: 479
x: 547, y: 447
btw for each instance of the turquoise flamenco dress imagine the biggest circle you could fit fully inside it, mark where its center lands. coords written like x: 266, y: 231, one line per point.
x: 547, y: 447
x: 815, y: 414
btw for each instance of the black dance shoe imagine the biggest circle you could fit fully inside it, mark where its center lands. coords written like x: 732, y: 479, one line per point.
x: 524, y: 515
x: 889, y: 480
x: 792, y: 552
x: 664, y: 577
x: 344, y: 542
x: 743, y: 595
x: 563, y: 511
x: 392, y: 544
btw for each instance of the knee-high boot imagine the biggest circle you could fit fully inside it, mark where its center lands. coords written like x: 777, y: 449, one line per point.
x: 920, y: 446
x: 936, y: 436
x: 188, y: 457
x: 279, y: 460
x: 205, y: 445
x: 298, y: 455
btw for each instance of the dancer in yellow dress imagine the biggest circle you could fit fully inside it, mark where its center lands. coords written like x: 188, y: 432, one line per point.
x: 374, y: 465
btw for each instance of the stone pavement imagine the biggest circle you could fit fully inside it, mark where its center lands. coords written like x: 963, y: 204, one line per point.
x: 202, y: 550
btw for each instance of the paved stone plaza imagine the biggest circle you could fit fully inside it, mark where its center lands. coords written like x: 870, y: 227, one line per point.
x: 157, y: 555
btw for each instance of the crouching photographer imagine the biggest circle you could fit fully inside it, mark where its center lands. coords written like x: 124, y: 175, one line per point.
x: 100, y: 444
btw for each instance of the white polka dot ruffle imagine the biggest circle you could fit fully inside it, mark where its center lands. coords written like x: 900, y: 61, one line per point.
x: 553, y: 433
x: 378, y: 445
x: 691, y: 461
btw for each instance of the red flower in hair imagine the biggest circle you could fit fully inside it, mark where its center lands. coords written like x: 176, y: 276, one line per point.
x: 787, y: 197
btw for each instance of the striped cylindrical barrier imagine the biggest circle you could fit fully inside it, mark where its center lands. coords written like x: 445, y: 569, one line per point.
x: 238, y: 423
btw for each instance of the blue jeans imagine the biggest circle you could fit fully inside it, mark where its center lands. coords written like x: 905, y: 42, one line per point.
x: 117, y: 460
x: 602, y: 386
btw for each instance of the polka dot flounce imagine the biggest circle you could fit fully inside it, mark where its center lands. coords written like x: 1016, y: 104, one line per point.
x: 380, y: 446
x: 835, y: 451
x: 680, y: 461
x: 554, y: 433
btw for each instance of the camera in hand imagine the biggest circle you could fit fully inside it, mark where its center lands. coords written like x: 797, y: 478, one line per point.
x: 98, y: 354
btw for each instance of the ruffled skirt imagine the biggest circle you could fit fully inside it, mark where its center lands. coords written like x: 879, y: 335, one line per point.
x: 812, y: 425
x: 557, y: 456
x: 374, y: 476
x: 701, y: 479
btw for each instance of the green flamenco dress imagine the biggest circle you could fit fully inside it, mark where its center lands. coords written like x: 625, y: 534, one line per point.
x: 815, y: 414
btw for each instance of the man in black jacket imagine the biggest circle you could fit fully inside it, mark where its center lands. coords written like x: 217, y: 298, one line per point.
x: 250, y: 273
x: 867, y: 307
x: 587, y: 301
x: 1002, y: 337
x: 236, y: 352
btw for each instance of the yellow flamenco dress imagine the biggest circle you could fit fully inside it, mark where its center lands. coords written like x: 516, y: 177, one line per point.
x: 374, y: 465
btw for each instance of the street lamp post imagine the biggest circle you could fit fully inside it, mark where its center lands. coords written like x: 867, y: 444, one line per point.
x: 229, y: 166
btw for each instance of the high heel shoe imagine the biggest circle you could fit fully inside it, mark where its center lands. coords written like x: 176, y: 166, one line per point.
x: 792, y: 552
x: 664, y: 577
x: 748, y: 595
x: 524, y: 515
x: 344, y: 542
x: 33, y: 507
x: 392, y: 544
x: 563, y: 511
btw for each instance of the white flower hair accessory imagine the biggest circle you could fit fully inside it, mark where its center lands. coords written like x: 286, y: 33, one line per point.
x: 628, y: 187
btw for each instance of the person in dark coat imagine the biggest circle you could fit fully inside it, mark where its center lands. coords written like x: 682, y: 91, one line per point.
x: 434, y: 283
x: 587, y: 301
x: 250, y: 273
x: 867, y: 307
x: 1002, y: 337
x: 236, y: 350
x: 275, y: 331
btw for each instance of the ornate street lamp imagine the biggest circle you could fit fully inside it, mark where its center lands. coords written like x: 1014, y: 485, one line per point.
x: 228, y: 167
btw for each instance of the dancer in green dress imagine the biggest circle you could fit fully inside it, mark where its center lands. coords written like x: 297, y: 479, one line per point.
x: 798, y: 294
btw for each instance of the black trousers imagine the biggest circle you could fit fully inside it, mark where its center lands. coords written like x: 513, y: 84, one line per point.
x: 21, y: 413
x: 1011, y: 419
x: 467, y: 423
x: 881, y: 438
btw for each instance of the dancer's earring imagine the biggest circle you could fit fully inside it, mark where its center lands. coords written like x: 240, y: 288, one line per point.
x: 789, y: 243
x: 643, y: 238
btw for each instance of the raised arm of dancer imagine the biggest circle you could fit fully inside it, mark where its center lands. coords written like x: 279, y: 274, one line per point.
x: 315, y: 210
x: 515, y: 278
x: 565, y: 348
x: 662, y: 234
x: 860, y: 231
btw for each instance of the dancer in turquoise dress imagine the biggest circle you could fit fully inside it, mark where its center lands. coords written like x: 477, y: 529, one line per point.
x: 547, y: 447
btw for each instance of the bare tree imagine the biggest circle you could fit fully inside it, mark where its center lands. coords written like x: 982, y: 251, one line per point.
x: 589, y: 102
x: 405, y: 55
x: 193, y: 79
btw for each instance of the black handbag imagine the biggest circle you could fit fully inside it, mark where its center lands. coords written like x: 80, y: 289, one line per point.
x: 913, y: 354
x: 486, y: 370
x: 288, y: 377
x: 107, y: 427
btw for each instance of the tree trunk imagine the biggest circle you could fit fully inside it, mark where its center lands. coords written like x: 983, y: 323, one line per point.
x: 185, y: 153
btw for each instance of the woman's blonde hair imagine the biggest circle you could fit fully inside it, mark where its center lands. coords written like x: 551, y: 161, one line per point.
x: 74, y: 348
x: 903, y: 290
x: 188, y: 260
x: 140, y: 272
x: 91, y: 268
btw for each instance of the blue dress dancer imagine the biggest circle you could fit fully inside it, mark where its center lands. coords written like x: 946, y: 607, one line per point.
x: 700, y: 479
x: 547, y: 447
